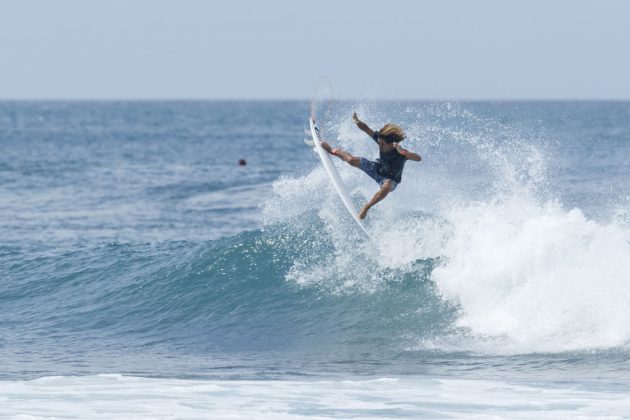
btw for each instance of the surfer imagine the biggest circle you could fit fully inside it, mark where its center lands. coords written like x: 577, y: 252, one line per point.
x: 387, y: 169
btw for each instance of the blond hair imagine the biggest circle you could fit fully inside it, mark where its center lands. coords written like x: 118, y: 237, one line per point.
x: 391, y: 133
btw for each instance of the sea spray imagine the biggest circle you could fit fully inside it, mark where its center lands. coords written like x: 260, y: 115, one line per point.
x: 525, y: 273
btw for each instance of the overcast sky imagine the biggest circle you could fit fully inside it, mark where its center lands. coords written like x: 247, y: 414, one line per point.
x: 276, y: 49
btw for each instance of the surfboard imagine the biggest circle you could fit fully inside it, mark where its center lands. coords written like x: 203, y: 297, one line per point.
x: 335, y: 179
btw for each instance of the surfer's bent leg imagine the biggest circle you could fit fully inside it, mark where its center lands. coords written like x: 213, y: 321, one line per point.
x: 386, y: 188
x: 345, y: 156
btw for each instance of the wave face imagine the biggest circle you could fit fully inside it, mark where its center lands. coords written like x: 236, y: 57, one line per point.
x: 503, y: 251
x: 226, y: 298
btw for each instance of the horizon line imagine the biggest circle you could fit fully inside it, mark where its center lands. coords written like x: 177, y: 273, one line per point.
x: 184, y: 99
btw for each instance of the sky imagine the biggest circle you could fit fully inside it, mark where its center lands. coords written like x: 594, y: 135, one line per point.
x: 277, y: 49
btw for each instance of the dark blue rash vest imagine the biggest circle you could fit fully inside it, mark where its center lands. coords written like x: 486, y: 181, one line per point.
x: 390, y: 164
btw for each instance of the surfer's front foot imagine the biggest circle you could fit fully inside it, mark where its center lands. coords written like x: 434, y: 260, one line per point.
x: 363, y: 212
x: 327, y: 148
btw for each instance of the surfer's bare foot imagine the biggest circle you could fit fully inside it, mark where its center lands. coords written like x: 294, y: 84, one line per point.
x: 363, y: 212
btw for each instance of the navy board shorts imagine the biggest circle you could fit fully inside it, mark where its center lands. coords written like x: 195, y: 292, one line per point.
x: 371, y: 168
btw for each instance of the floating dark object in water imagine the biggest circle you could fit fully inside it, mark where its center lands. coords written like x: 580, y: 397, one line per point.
x: 242, y: 162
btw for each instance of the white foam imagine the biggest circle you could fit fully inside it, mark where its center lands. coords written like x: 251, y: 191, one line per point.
x: 117, y: 396
x: 541, y: 277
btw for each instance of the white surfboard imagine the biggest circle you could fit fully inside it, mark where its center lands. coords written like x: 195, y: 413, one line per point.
x: 335, y: 178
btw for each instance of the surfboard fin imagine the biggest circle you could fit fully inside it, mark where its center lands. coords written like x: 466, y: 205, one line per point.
x: 309, y: 140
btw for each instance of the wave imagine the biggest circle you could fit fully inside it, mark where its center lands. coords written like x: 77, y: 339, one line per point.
x: 473, y: 253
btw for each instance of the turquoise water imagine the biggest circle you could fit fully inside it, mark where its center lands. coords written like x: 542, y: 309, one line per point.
x: 133, y: 243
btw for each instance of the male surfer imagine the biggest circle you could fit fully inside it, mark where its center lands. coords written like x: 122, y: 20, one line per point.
x: 387, y: 169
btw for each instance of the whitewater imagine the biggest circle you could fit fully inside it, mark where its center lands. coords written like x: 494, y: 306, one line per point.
x: 145, y: 273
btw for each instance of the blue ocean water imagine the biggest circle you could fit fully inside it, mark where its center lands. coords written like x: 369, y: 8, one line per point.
x: 132, y: 243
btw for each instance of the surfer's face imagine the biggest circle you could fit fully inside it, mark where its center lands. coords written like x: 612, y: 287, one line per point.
x: 385, y: 146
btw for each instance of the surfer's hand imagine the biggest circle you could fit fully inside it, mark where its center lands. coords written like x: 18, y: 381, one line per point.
x: 355, y: 119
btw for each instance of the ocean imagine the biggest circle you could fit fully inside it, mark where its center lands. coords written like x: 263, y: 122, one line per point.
x: 145, y: 273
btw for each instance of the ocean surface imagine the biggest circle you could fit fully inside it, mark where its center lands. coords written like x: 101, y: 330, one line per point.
x: 144, y: 273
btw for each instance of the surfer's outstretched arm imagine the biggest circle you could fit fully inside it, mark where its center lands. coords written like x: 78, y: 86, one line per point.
x: 380, y: 194
x: 362, y: 126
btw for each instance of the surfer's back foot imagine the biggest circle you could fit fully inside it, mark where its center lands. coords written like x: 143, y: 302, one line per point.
x: 363, y: 212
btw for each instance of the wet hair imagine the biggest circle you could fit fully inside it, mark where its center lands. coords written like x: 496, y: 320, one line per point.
x: 391, y: 133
